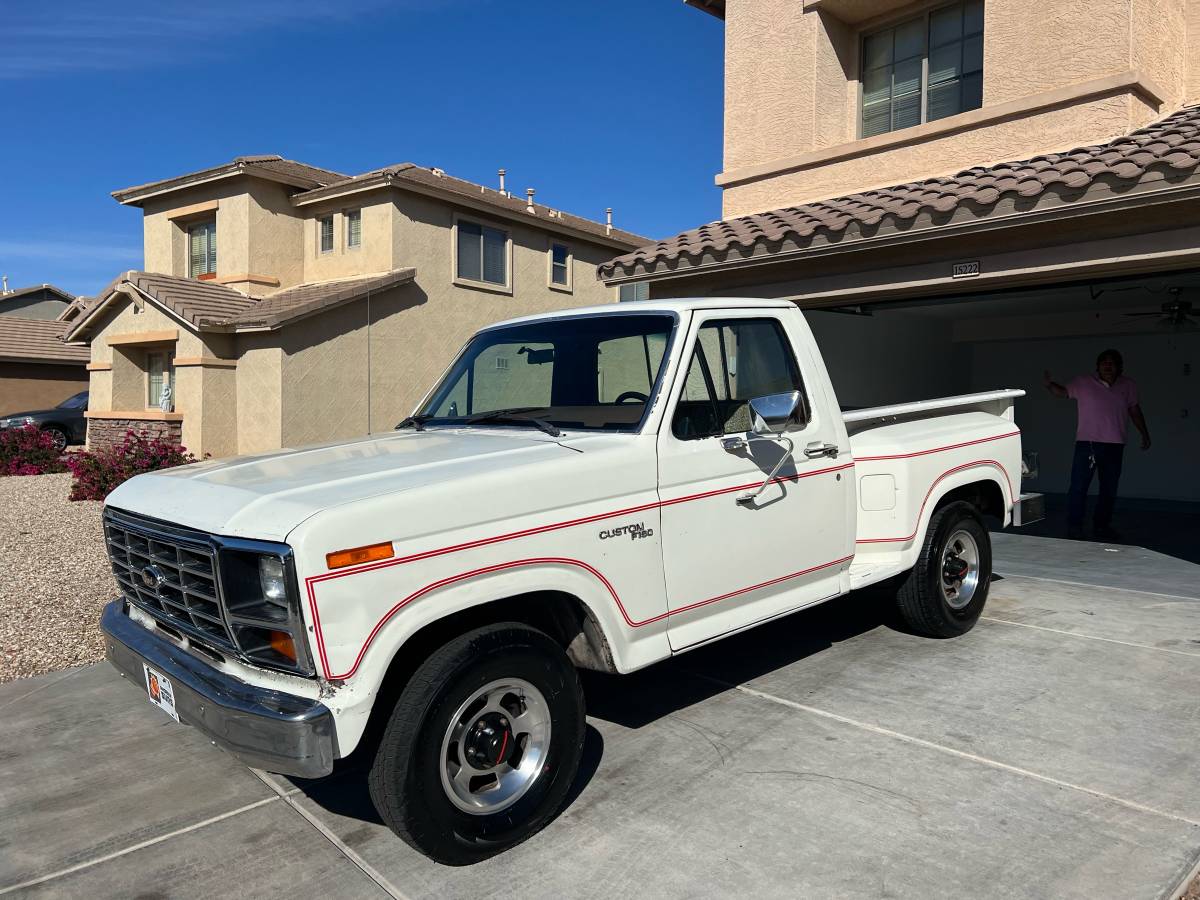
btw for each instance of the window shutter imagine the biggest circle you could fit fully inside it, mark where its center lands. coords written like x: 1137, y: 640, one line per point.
x: 470, y: 253
x: 495, y: 245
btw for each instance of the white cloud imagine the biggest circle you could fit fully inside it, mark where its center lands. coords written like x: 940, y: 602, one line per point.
x: 71, y: 36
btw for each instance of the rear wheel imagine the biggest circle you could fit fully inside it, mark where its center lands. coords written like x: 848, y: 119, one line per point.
x: 946, y: 590
x: 58, y: 436
x: 482, y: 745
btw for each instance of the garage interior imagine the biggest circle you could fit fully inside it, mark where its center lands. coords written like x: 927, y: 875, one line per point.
x: 890, y: 351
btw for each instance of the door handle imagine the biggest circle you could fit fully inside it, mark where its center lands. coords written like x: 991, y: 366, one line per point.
x: 816, y: 450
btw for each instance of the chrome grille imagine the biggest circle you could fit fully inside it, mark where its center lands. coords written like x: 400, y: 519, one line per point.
x: 169, y: 572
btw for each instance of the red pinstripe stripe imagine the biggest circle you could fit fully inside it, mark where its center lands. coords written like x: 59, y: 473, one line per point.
x: 555, y: 560
x: 929, y: 493
x: 313, y: 580
x: 938, y: 449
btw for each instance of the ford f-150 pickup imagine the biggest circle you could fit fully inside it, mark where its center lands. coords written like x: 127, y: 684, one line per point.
x: 597, y: 488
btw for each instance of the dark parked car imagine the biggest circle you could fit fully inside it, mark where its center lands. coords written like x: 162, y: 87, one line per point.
x: 65, y: 423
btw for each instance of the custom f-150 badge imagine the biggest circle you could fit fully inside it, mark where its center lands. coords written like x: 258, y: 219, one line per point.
x: 634, y: 531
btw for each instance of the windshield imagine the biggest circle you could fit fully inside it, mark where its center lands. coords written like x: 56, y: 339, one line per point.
x: 594, y: 373
x: 79, y: 401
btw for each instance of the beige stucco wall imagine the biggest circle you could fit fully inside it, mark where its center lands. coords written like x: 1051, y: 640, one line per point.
x: 377, y: 252
x: 275, y: 238
x: 259, y: 385
x: 791, y: 91
x: 164, y: 231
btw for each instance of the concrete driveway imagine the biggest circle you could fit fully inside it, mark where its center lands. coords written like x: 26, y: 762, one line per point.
x: 1052, y: 752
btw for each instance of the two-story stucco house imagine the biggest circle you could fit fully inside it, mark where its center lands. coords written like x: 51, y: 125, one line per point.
x: 283, y: 304
x: 973, y: 191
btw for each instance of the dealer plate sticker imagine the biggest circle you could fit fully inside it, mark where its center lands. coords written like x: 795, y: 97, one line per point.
x: 161, y: 693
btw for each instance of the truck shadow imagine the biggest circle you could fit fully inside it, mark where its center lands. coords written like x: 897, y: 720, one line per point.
x: 637, y: 700
x: 640, y: 699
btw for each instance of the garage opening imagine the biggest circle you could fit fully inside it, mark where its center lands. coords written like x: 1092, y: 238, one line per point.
x: 891, y: 351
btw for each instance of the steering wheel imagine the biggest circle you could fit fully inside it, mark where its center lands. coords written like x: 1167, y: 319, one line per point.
x: 632, y: 395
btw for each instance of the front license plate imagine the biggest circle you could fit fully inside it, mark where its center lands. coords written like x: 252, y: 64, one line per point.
x: 161, y: 693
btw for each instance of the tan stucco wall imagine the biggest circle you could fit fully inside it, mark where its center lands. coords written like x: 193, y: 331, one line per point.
x: 25, y: 387
x: 1192, y: 52
x: 165, y: 235
x: 275, y: 238
x: 376, y: 254
x: 791, y: 88
x: 259, y: 383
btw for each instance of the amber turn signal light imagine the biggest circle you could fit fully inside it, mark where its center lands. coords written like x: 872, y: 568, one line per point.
x: 373, y: 553
x: 281, y: 643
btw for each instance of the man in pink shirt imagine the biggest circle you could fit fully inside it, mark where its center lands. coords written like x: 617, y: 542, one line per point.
x: 1106, y: 401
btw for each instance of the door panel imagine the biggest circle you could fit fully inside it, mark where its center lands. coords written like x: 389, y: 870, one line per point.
x: 727, y: 564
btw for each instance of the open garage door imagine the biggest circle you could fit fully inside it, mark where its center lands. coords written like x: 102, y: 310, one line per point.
x: 892, y: 351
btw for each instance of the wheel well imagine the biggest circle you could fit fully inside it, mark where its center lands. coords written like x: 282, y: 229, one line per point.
x: 985, y: 496
x: 562, y: 616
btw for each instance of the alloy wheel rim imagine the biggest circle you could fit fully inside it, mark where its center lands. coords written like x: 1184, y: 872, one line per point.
x: 958, y: 575
x: 495, y: 746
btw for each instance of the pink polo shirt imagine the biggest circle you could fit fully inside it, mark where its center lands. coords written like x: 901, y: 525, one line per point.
x: 1103, y: 409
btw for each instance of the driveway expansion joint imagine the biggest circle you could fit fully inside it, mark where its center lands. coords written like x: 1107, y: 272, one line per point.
x: 950, y: 751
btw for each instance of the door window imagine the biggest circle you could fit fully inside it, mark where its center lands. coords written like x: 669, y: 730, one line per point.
x: 733, y: 362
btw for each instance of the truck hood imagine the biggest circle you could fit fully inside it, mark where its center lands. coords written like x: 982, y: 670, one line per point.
x: 266, y: 496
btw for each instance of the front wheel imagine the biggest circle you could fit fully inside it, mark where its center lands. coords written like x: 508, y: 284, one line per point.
x: 482, y: 745
x: 946, y: 590
x: 58, y: 436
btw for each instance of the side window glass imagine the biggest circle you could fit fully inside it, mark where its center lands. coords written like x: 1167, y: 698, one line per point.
x: 734, y: 361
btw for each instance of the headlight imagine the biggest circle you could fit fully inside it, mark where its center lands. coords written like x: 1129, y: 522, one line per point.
x: 262, y: 605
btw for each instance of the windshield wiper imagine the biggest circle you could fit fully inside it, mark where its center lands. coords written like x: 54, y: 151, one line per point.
x: 516, y: 416
x: 417, y: 423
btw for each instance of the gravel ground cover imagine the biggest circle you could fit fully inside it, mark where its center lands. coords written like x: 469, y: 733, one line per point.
x: 55, y: 577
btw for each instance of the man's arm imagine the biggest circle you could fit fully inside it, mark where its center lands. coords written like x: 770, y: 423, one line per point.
x: 1053, y: 386
x: 1139, y: 422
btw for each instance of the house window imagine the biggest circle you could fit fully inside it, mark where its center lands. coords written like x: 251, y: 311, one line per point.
x: 158, y: 373
x: 325, y: 234
x: 502, y: 363
x: 202, y: 249
x: 639, y: 290
x: 560, y: 266
x: 923, y: 69
x: 354, y: 228
x: 482, y: 254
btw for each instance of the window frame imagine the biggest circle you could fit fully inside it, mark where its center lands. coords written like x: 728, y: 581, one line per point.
x: 210, y: 256
x: 346, y: 217
x: 635, y: 285
x: 568, y: 286
x: 720, y: 320
x: 167, y: 376
x: 332, y: 234
x: 491, y: 286
x: 924, y: 17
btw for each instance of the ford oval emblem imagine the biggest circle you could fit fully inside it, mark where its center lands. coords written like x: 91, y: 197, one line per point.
x: 152, y: 577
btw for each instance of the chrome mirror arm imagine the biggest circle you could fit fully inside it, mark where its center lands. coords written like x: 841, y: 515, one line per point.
x: 747, y: 499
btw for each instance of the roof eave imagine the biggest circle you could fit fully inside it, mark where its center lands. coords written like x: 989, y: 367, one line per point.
x: 660, y: 271
x: 715, y: 8
x: 136, y: 196
x: 384, y: 180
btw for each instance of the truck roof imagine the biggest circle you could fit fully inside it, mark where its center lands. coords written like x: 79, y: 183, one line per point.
x: 681, y: 305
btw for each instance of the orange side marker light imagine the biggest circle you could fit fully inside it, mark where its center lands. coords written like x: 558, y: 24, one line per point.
x: 371, y: 553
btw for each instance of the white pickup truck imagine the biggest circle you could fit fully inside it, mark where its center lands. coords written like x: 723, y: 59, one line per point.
x: 598, y: 488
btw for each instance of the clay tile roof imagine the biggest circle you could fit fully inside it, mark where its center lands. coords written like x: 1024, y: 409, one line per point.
x: 276, y: 168
x: 193, y: 301
x: 443, y: 184
x: 33, y: 289
x: 306, y: 299
x: 37, y: 340
x: 1169, y: 145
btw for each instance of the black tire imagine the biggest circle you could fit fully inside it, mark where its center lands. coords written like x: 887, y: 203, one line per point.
x: 59, y: 436
x: 405, y: 778
x: 922, y: 601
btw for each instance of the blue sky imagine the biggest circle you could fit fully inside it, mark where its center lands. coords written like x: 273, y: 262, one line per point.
x: 614, y: 103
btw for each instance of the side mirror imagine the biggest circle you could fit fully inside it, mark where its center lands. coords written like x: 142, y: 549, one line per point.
x: 771, y: 415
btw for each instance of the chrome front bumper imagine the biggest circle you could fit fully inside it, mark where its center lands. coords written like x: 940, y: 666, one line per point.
x: 263, y: 728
